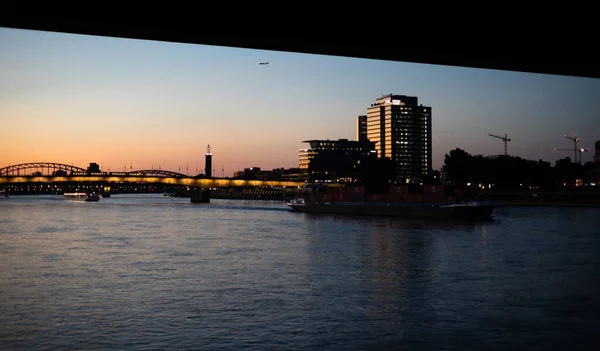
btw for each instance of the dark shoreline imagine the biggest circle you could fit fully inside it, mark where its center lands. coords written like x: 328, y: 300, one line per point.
x: 517, y: 203
x: 590, y: 199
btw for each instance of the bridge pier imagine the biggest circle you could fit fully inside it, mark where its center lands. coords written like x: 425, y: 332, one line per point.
x: 106, y: 191
x: 199, y: 195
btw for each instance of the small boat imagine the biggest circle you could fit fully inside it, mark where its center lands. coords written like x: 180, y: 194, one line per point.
x: 80, y: 196
x: 92, y: 197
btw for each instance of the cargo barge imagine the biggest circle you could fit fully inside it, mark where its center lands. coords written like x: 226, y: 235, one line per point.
x: 400, y: 201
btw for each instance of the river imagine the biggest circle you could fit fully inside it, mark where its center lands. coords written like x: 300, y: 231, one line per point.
x: 150, y: 272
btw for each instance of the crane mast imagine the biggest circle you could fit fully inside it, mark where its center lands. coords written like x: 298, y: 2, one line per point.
x: 575, y: 140
x: 505, y: 139
x: 581, y: 151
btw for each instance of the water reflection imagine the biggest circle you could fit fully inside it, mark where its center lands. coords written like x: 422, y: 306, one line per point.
x: 397, y: 222
x: 381, y: 271
x: 484, y: 234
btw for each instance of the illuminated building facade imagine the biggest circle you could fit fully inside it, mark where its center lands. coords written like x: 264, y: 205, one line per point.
x: 304, y: 156
x: 291, y: 174
x: 334, y: 160
x: 401, y: 131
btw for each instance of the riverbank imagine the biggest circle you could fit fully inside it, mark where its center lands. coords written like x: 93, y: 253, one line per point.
x: 544, y: 199
x: 522, y: 203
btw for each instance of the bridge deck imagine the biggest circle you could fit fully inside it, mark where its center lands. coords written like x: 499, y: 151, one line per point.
x: 185, y: 181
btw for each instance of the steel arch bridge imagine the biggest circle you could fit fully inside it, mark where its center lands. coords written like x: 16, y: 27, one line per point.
x: 160, y: 173
x: 51, y: 167
x: 14, y: 175
x: 15, y: 169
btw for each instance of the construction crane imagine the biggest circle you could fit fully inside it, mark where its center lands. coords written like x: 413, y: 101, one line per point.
x: 578, y: 151
x: 575, y: 140
x: 575, y: 160
x: 581, y: 151
x: 505, y: 139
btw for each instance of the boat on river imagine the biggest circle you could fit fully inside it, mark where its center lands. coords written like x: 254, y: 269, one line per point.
x: 81, y: 196
x: 429, y: 202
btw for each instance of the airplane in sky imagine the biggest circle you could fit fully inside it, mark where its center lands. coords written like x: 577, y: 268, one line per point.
x: 264, y: 63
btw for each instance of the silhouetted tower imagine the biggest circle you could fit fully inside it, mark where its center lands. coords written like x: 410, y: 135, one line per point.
x: 505, y: 139
x: 208, y: 163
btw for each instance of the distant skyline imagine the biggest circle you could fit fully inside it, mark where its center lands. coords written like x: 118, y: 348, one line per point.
x: 77, y: 99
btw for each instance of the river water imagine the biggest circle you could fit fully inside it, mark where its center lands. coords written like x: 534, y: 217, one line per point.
x: 149, y: 272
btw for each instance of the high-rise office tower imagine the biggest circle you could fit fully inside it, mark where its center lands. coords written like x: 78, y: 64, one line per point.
x: 597, y: 151
x: 401, y: 130
x: 208, y: 163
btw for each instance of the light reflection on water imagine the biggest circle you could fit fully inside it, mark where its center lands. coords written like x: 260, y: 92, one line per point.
x: 151, y: 272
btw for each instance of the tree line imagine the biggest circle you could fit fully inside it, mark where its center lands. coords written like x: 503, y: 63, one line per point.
x: 511, y: 172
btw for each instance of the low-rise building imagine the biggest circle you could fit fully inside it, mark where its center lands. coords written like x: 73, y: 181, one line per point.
x: 335, y: 160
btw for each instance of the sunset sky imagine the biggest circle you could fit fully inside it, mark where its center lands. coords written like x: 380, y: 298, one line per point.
x: 77, y: 99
